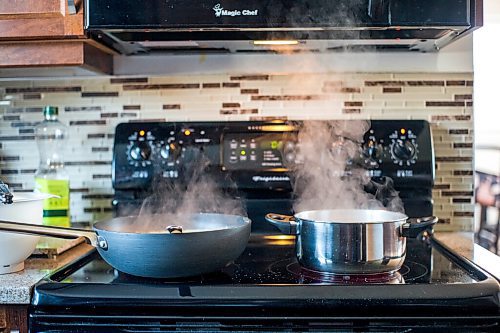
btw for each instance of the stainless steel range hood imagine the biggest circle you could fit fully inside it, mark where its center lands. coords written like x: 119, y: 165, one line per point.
x: 275, y: 26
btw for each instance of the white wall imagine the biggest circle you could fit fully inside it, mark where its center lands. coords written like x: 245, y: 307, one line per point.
x: 487, y: 88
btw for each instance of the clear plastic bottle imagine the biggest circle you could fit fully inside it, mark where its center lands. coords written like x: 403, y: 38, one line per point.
x: 51, y: 176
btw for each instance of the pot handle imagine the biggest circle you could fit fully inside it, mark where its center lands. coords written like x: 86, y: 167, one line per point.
x: 58, y: 232
x: 414, y: 226
x: 285, y: 223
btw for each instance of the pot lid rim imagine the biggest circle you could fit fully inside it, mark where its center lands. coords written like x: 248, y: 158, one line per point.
x: 397, y: 216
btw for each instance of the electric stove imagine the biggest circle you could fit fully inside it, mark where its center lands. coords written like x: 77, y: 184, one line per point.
x: 265, y: 289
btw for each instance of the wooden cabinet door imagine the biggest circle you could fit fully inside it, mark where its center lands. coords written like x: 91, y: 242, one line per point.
x: 39, y: 19
x: 33, y: 9
x: 14, y: 317
x: 47, y: 33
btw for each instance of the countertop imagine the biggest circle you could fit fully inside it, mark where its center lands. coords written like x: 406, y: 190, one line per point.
x: 463, y: 244
x: 16, y: 288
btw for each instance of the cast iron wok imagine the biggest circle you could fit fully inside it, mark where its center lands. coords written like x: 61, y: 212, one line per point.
x: 197, y: 244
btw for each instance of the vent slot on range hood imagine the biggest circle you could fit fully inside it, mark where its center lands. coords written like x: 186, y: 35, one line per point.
x: 154, y: 26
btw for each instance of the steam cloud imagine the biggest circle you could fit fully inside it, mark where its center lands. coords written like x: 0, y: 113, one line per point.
x: 172, y: 203
x: 325, y: 150
x: 325, y: 177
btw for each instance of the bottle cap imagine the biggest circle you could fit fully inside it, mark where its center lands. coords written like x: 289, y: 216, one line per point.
x: 50, y: 111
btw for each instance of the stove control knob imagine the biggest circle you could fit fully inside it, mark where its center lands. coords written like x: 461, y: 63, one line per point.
x: 403, y: 150
x: 372, y: 150
x: 289, y: 152
x: 290, y: 157
x: 170, y: 152
x: 372, y: 154
x: 140, y: 151
x: 165, y: 152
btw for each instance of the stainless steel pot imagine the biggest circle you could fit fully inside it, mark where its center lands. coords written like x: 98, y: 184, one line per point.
x: 196, y: 244
x: 351, y: 241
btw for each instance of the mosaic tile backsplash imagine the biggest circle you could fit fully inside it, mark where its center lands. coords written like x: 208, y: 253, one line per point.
x: 93, y: 107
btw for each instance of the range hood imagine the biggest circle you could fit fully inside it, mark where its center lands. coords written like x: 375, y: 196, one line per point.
x: 253, y: 26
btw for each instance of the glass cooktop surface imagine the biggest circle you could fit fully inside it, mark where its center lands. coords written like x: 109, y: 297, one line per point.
x: 270, y: 260
x: 266, y: 285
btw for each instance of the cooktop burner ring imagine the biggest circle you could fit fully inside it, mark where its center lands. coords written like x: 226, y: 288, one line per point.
x: 327, y: 277
x: 409, y: 271
x: 417, y: 270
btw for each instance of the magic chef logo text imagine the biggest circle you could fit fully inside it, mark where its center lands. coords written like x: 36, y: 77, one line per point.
x: 220, y: 11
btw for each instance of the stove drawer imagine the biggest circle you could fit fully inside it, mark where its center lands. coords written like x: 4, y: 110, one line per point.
x: 136, y: 324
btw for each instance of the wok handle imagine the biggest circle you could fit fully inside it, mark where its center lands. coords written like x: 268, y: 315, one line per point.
x: 58, y: 232
x: 414, y: 226
x: 285, y: 223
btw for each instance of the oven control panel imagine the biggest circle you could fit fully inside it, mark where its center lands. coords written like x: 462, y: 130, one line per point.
x: 401, y: 150
x: 257, y: 155
x: 258, y: 151
x: 400, y: 146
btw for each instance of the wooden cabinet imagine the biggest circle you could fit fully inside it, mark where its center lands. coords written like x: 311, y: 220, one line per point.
x: 17, y: 9
x: 55, y: 54
x: 13, y: 318
x: 26, y: 19
x: 41, y: 33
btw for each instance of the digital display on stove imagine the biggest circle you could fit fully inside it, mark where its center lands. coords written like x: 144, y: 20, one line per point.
x: 256, y: 151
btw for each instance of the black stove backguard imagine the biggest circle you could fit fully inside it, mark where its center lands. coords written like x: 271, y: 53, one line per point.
x: 249, y: 160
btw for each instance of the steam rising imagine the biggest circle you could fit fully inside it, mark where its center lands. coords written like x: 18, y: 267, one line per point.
x: 326, y: 178
x: 172, y: 203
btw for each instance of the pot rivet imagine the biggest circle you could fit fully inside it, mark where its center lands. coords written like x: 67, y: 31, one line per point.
x: 103, y: 244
